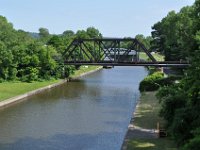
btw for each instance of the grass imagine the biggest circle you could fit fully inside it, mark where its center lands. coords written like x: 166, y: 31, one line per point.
x: 12, y: 89
x: 146, y: 116
x: 147, y: 111
x: 83, y: 69
x: 157, y: 56
x: 151, y: 144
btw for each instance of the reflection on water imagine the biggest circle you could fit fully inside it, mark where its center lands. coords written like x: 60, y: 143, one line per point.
x: 87, y: 114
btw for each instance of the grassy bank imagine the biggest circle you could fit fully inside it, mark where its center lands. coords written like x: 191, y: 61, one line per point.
x: 82, y: 70
x: 157, y: 56
x: 12, y: 89
x: 146, y: 116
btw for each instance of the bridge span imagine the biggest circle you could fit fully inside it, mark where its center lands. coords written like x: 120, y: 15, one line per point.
x: 113, y: 52
x: 153, y: 64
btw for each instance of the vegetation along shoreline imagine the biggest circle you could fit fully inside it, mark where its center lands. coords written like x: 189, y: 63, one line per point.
x: 142, y: 131
x: 78, y: 74
x: 25, y: 58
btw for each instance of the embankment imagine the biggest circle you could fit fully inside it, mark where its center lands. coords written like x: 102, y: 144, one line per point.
x: 142, y: 130
x: 19, y: 98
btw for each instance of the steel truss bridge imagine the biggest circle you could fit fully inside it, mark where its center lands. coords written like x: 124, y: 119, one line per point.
x: 111, y: 52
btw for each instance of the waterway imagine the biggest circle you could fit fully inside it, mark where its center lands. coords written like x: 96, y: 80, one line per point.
x: 91, y: 113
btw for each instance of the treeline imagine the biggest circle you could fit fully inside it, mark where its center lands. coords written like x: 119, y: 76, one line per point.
x: 177, y: 36
x: 28, y: 58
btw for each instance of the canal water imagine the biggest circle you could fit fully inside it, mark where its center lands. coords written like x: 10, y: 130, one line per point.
x: 91, y: 113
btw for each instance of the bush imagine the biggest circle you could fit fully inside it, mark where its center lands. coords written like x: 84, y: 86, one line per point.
x: 150, y: 82
x: 167, y: 81
x: 169, y: 106
x: 68, y: 70
x: 193, y: 144
x: 155, y: 81
x: 185, y: 125
x: 1, y: 80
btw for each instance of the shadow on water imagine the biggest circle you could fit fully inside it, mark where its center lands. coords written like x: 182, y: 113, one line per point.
x: 67, y: 90
x: 72, y: 90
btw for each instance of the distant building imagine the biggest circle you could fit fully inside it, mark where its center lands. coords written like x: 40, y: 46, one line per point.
x: 120, y: 54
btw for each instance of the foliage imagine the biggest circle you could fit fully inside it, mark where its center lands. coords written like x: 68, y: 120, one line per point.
x: 68, y: 33
x: 93, y: 33
x: 156, y: 80
x: 180, y: 105
x: 178, y: 37
x: 173, y: 35
x: 150, y: 82
x: 183, y: 124
x: 144, y: 40
x: 146, y: 117
x: 171, y: 100
x: 193, y: 144
x: 168, y: 80
x: 25, y: 58
x: 44, y: 34
x: 141, y: 38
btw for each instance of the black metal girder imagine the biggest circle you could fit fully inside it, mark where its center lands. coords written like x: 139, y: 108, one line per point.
x: 96, y: 51
x: 147, y: 64
x: 113, y: 40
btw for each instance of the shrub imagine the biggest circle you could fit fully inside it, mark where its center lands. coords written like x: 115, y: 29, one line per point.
x: 193, y: 144
x: 150, y: 82
x: 155, y: 81
x: 185, y: 125
x: 1, y: 80
x: 170, y: 104
x: 167, y: 81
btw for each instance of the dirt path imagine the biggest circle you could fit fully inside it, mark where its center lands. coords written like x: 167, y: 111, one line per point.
x: 135, y: 132
x: 142, y: 133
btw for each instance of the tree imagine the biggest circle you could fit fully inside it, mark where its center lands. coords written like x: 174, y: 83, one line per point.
x: 55, y: 41
x: 6, y: 59
x: 93, y: 33
x: 178, y: 36
x: 28, y: 59
x: 44, y: 35
x: 82, y: 34
x: 144, y: 40
x: 68, y: 33
x: 43, y: 32
x: 47, y: 63
x: 173, y: 34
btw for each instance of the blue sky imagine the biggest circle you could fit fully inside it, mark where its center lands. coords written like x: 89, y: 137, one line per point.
x: 114, y: 18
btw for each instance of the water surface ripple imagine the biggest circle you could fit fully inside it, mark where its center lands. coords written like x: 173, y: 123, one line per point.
x: 87, y: 114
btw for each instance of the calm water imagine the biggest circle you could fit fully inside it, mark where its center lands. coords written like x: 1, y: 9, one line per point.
x: 88, y: 114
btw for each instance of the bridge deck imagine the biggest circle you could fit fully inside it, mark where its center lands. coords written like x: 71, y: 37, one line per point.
x: 111, y: 63
x: 97, y: 51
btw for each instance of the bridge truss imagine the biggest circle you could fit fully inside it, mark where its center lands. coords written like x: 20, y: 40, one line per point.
x: 112, y: 52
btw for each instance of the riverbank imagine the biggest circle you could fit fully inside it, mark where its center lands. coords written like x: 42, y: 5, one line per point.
x: 85, y: 70
x: 142, y: 133
x: 13, y: 92
x: 157, y: 56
